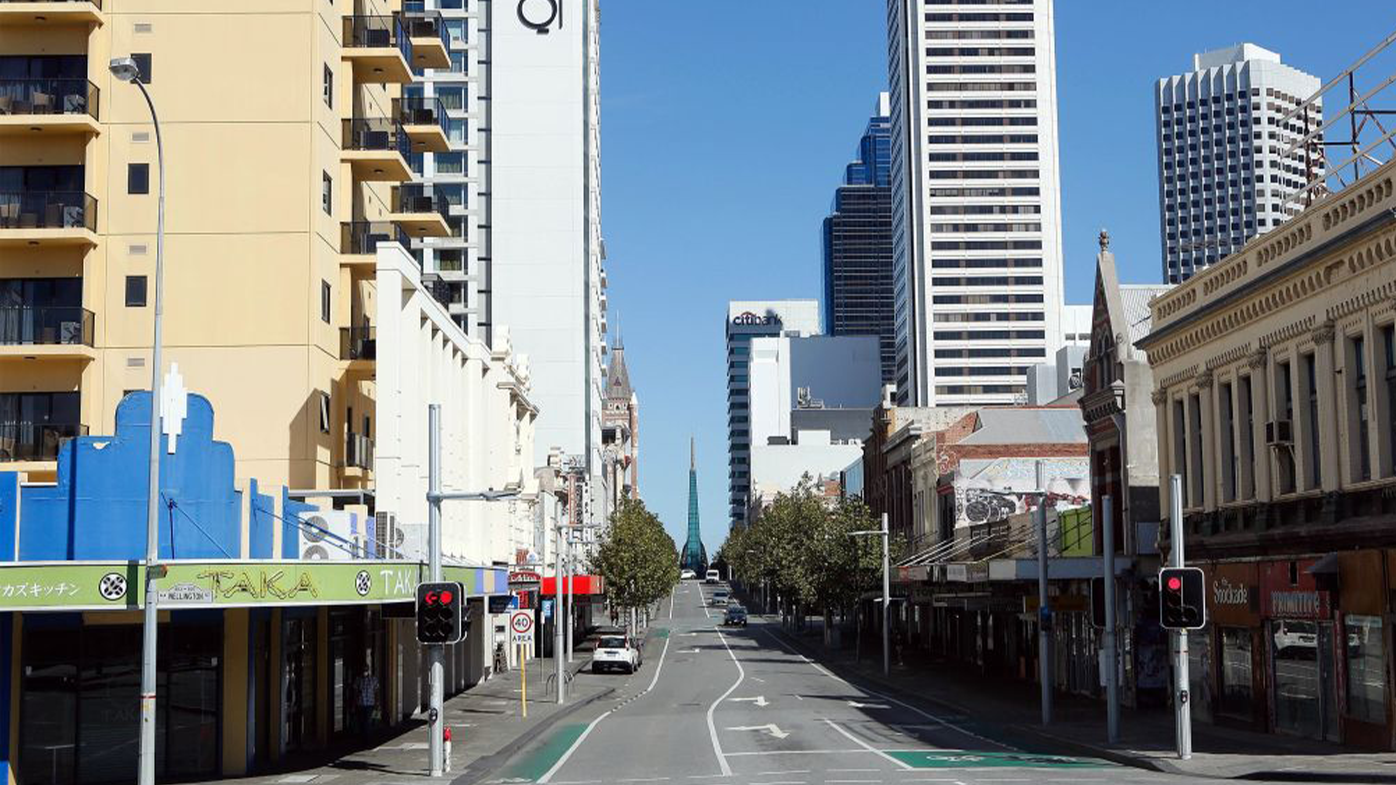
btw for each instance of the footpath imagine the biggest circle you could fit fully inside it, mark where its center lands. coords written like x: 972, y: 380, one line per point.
x: 487, y: 728
x: 1078, y: 724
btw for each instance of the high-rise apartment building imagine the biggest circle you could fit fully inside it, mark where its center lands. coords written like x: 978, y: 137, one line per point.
x: 1224, y: 176
x: 976, y: 226
x: 520, y: 178
x: 858, y: 245
x: 747, y: 320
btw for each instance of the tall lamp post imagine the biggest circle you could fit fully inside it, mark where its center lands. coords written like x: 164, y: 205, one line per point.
x: 125, y: 69
x: 886, y: 591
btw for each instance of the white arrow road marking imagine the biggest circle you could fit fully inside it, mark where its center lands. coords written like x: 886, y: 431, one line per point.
x: 769, y: 728
x: 753, y: 678
x: 690, y: 651
x: 759, y: 700
x: 857, y: 705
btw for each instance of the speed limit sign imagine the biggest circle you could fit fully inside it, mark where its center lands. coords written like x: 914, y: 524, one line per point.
x: 521, y: 624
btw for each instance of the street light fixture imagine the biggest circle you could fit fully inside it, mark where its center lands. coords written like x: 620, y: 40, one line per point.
x: 125, y: 69
x: 886, y: 591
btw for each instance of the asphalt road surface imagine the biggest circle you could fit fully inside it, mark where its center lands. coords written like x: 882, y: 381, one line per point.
x: 719, y: 706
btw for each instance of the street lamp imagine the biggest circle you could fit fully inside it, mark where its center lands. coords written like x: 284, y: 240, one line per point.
x: 886, y: 591
x: 125, y: 69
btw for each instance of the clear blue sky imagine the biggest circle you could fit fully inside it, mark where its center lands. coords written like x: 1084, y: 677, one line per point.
x: 725, y: 128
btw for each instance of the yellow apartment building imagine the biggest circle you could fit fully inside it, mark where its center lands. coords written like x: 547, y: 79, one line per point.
x: 286, y: 152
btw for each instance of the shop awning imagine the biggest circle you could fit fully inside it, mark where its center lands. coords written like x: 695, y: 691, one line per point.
x: 190, y: 584
x: 579, y: 584
x: 1328, y: 565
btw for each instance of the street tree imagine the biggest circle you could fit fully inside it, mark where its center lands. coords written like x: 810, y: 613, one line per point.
x: 636, y: 557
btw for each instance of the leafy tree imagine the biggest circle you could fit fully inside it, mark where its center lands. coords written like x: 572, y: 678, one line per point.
x: 636, y: 557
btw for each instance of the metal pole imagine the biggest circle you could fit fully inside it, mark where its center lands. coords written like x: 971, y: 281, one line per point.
x: 1044, y: 616
x: 1112, y: 676
x: 558, y: 623
x: 436, y: 717
x: 886, y: 603
x: 150, y: 630
x: 1182, y: 708
x: 570, y: 604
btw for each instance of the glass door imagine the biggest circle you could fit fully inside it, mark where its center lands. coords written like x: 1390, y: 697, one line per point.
x: 1328, y: 682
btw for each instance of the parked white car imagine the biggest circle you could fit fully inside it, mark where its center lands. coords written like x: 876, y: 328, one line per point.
x: 615, y: 652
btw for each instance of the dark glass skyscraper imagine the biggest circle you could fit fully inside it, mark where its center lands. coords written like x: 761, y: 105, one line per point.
x: 858, y: 296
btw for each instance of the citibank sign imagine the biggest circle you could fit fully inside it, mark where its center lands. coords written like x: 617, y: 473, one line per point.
x: 749, y: 319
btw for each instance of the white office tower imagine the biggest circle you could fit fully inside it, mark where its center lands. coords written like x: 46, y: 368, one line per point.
x: 746, y: 320
x: 1223, y: 175
x: 546, y: 281
x: 976, y: 225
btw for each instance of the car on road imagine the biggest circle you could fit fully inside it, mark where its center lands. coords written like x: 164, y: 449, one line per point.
x: 720, y: 598
x: 615, y: 652
x: 735, y: 616
x: 687, y: 575
x: 712, y: 576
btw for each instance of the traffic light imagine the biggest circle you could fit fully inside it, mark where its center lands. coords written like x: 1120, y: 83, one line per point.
x: 1181, y: 598
x: 440, y: 617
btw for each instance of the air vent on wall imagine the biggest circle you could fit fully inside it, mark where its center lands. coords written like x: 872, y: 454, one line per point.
x: 140, y: 136
x: 135, y: 362
x: 143, y: 27
x: 137, y: 250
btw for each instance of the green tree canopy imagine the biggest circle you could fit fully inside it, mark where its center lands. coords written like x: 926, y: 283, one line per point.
x: 636, y: 557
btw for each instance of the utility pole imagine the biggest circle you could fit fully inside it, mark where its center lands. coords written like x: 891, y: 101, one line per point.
x: 435, y: 652
x: 1181, y: 708
x: 558, y: 578
x: 437, y: 672
x: 1112, y: 679
x: 1044, y: 615
x: 886, y: 602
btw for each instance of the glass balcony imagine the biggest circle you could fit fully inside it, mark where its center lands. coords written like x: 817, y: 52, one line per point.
x: 424, y: 120
x: 363, y: 237
x: 47, y: 210
x: 429, y: 40
x: 420, y: 212
x: 23, y: 440
x: 48, y: 97
x: 50, y: 12
x: 358, y: 343
x: 379, y: 48
x: 22, y: 325
x: 377, y: 148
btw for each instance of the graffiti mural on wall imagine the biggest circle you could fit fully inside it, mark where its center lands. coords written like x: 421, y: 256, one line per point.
x: 993, y: 490
x: 976, y: 506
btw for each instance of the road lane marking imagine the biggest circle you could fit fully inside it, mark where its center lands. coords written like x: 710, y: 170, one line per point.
x: 712, y: 729
x: 799, y: 752
x: 942, y: 722
x: 658, y: 668
x: 866, y: 746
x: 780, y: 782
x: 646, y: 779
x: 759, y: 700
x: 778, y: 773
x: 851, y: 771
x: 771, y: 729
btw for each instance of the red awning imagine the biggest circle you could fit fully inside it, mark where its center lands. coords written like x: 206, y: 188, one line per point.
x: 580, y: 584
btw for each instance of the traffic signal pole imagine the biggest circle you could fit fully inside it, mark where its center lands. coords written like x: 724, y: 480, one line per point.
x: 1181, y: 707
x: 1112, y: 673
x: 1044, y: 616
x: 437, y: 673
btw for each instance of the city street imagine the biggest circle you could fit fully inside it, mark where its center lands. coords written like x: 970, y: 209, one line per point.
x: 739, y: 706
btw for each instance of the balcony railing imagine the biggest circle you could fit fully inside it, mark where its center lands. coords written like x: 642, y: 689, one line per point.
x: 48, y: 96
x: 21, y: 440
x: 363, y: 237
x: 50, y: 325
x: 358, y: 451
x: 415, y: 199
x: 358, y: 343
x: 47, y: 210
x: 419, y: 110
x: 425, y: 26
x: 376, y: 133
x: 377, y: 32
x: 97, y: 3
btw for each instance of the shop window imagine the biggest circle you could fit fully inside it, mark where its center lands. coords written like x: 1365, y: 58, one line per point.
x: 1366, y: 691
x: 1236, y: 681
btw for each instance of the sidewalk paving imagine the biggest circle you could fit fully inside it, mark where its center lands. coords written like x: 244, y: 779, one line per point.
x: 486, y: 722
x: 1078, y: 725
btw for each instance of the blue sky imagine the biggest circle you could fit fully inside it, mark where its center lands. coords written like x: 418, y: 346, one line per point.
x: 726, y: 126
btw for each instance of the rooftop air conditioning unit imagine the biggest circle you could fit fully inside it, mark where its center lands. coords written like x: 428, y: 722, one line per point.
x: 331, y: 535
x: 1279, y: 432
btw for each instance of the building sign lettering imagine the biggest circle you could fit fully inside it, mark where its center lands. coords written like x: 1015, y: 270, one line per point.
x: 228, y: 584
x: 540, y: 16
x: 749, y: 319
x: 1224, y: 592
x: 1299, y: 604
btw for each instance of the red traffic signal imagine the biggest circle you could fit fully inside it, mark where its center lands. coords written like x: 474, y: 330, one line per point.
x: 440, y: 615
x: 1182, y: 598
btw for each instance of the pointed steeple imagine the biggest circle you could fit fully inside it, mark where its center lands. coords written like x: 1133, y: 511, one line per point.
x: 694, y: 556
x: 692, y: 455
x: 617, y: 375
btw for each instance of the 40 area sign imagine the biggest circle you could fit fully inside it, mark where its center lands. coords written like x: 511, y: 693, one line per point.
x: 521, y: 625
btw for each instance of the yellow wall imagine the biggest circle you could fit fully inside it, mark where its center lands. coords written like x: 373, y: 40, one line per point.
x: 235, y: 689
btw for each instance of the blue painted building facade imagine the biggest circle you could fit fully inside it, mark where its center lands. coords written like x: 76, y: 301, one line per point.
x: 261, y: 654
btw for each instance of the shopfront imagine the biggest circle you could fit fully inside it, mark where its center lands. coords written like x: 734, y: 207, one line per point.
x: 1226, y: 658
x: 1301, y: 647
